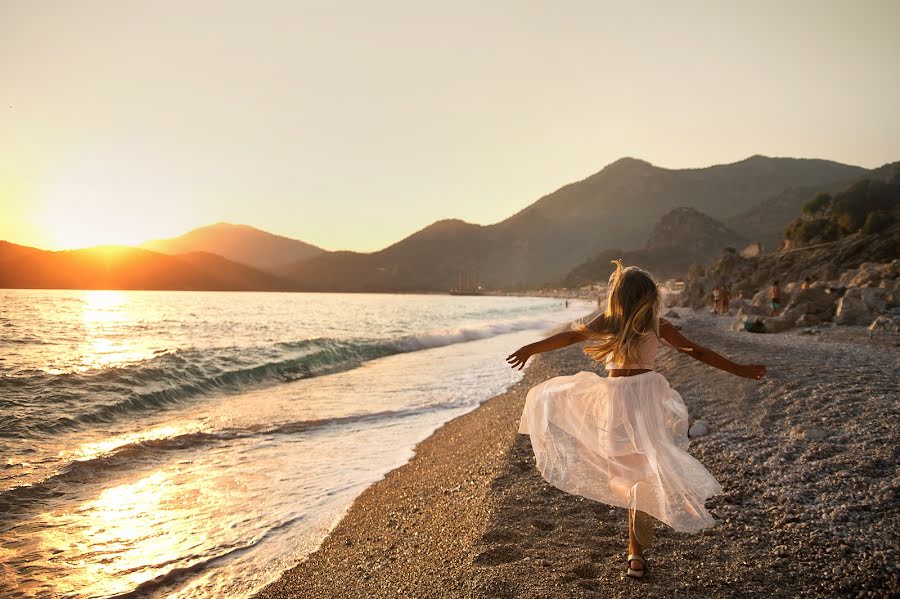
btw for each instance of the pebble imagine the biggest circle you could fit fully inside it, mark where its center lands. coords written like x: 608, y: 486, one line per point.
x: 698, y: 429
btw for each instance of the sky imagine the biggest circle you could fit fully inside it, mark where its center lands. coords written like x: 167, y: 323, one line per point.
x: 351, y: 125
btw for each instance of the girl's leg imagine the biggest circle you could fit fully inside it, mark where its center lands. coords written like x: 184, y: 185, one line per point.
x: 634, y: 548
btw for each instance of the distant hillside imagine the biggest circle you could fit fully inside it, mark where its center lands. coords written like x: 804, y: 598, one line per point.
x: 617, y: 207
x: 119, y: 267
x: 834, y: 234
x: 8, y: 250
x: 238, y: 243
x: 767, y: 221
x: 680, y: 238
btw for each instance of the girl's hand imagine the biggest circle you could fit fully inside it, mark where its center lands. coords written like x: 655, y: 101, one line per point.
x: 752, y: 371
x: 519, y: 357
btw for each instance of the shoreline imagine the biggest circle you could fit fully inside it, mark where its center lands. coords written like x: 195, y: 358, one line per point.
x: 804, y: 501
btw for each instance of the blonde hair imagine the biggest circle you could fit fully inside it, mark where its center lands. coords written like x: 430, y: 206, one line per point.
x: 632, y: 309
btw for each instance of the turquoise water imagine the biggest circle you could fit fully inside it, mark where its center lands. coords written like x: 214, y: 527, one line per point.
x: 198, y: 444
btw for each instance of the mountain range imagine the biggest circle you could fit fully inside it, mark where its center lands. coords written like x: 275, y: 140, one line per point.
x: 614, y: 208
x: 239, y: 243
x: 618, y: 207
x: 123, y: 267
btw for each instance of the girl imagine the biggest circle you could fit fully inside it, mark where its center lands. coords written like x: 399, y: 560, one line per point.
x: 622, y: 440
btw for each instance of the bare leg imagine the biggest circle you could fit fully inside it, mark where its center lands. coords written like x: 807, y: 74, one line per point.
x: 634, y: 548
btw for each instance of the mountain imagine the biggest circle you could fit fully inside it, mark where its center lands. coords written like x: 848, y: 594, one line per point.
x: 616, y: 207
x: 8, y: 250
x: 767, y: 221
x: 238, y: 243
x: 680, y: 238
x: 121, y: 267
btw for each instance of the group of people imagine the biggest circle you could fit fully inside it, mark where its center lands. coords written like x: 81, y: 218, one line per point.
x: 721, y: 297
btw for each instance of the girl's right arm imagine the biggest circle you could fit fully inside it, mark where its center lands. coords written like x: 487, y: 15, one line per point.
x: 557, y: 341
x: 668, y: 332
x: 518, y: 358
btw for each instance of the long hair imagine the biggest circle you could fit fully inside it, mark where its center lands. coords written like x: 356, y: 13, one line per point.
x: 632, y: 309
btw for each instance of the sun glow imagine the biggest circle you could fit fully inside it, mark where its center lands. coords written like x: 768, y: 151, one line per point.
x: 104, y: 197
x: 70, y: 224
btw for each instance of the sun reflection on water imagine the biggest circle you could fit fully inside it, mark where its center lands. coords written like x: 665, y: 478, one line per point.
x: 108, y: 319
x: 120, y: 526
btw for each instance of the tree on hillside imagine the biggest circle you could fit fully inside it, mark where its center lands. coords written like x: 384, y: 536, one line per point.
x: 818, y: 205
x: 851, y: 207
x: 877, y: 221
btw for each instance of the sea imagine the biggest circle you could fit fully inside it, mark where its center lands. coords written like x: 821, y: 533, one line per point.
x: 198, y: 444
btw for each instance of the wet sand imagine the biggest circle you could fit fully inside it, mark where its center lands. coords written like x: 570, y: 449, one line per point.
x: 807, y: 459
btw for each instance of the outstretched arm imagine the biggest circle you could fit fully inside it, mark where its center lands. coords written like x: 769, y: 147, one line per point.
x: 668, y: 332
x: 557, y: 341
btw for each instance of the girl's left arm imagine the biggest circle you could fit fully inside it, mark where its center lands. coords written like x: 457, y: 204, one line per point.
x: 557, y: 341
x: 668, y: 332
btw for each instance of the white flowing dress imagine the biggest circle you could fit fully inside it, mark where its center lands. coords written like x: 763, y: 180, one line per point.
x: 621, y: 441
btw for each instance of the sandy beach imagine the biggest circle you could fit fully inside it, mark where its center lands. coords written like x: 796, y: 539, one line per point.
x: 807, y: 459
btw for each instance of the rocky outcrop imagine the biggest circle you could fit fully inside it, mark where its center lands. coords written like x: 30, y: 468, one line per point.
x: 866, y: 295
x: 860, y: 305
x: 885, y: 324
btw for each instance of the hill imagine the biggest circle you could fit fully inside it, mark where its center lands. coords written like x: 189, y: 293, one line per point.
x: 120, y: 267
x: 767, y: 221
x: 616, y: 207
x: 238, y: 243
x: 680, y: 238
x: 9, y: 251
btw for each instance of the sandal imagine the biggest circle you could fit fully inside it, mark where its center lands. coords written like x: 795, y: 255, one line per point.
x: 636, y: 573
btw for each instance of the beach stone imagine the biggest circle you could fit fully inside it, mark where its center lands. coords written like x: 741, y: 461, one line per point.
x: 777, y: 324
x: 815, y: 300
x: 814, y: 434
x: 808, y: 320
x: 698, y: 429
x: 761, y: 298
x: 885, y: 324
x: 672, y: 314
x: 859, y: 305
x: 869, y: 274
x: 846, y: 277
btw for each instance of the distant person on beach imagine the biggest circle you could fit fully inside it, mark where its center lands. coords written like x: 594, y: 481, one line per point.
x: 726, y: 299
x: 807, y: 283
x: 775, y: 295
x: 622, y: 439
x: 715, y: 299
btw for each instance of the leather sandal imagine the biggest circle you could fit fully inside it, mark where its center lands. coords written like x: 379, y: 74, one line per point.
x: 636, y: 573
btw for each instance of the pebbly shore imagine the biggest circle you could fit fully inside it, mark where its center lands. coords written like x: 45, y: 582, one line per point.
x: 807, y: 458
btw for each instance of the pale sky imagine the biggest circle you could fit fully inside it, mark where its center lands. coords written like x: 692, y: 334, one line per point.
x: 353, y: 124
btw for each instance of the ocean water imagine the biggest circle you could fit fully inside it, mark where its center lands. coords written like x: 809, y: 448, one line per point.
x: 198, y: 444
